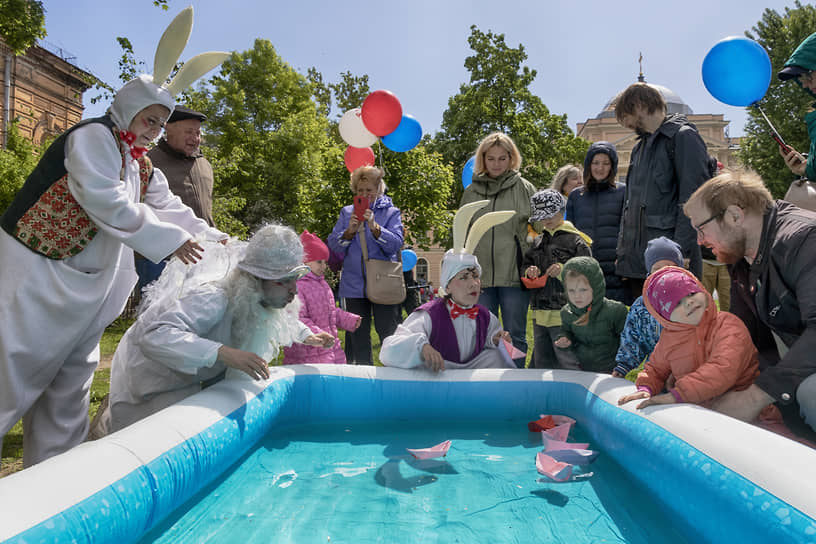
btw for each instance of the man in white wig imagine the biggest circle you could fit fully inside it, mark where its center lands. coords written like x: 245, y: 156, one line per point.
x: 66, y: 249
x: 183, y: 341
x: 453, y: 331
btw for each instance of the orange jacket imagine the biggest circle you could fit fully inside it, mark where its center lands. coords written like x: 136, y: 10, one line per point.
x: 707, y: 360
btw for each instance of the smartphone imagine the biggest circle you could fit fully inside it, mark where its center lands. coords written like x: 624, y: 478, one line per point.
x: 360, y: 206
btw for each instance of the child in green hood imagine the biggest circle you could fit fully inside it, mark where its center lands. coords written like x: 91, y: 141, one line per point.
x: 800, y: 68
x: 591, y: 324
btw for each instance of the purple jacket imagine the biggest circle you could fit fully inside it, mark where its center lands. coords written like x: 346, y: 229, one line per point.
x: 352, y: 282
x: 320, y: 314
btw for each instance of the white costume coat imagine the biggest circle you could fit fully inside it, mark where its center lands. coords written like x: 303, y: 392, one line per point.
x: 53, y: 312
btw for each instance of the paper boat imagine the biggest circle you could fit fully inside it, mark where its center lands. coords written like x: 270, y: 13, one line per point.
x: 552, y: 445
x: 559, y: 432
x: 540, y: 281
x: 440, y: 450
x: 556, y: 470
x: 549, y: 421
x: 574, y: 457
x: 512, y: 350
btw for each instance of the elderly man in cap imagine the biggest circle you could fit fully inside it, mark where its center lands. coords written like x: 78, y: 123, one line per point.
x: 183, y: 342
x: 188, y: 173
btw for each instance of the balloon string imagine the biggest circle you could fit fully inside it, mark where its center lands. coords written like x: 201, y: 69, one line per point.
x: 382, y: 161
x: 774, y: 134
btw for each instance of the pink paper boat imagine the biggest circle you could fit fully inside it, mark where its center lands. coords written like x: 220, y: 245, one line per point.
x: 550, y: 444
x: 512, y: 350
x: 559, y: 432
x: 440, y: 450
x: 546, y: 465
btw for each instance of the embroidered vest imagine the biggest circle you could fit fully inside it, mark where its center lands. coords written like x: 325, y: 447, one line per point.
x: 44, y: 215
x: 443, y: 335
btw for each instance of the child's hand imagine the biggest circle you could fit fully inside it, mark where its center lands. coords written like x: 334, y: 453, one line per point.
x: 433, y: 359
x: 554, y: 270
x: 563, y: 342
x: 532, y: 272
x: 499, y: 335
x: 357, y: 325
x: 633, y: 396
x: 664, y: 398
x: 322, y: 339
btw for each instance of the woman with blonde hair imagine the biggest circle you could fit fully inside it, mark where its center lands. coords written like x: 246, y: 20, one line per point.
x: 567, y: 178
x: 381, y: 224
x: 496, y: 178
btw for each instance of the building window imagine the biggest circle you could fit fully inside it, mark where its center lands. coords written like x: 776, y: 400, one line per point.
x: 422, y: 271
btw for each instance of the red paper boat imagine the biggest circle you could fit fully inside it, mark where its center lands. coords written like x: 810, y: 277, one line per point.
x: 440, y: 450
x: 556, y: 470
x: 548, y: 422
x: 540, y: 281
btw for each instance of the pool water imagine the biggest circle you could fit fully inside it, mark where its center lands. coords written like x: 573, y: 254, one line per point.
x: 354, y: 482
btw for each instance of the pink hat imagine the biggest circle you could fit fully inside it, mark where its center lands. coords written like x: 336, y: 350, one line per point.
x: 313, y: 248
x: 667, y: 287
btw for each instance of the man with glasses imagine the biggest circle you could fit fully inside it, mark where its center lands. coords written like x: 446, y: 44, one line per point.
x: 667, y: 164
x: 770, y: 247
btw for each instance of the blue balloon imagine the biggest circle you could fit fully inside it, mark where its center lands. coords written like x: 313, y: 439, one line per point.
x: 737, y: 71
x: 467, y: 173
x: 409, y: 259
x: 405, y: 137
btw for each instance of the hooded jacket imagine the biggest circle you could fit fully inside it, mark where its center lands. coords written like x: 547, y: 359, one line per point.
x: 707, y: 359
x: 805, y: 57
x: 656, y: 189
x: 501, y: 250
x: 595, y: 343
x: 319, y: 312
x: 596, y: 210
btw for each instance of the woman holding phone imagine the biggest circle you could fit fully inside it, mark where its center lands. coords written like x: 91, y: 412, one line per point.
x: 374, y: 216
x: 800, y: 67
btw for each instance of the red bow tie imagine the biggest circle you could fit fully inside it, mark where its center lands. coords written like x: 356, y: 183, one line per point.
x: 457, y: 310
x: 128, y: 137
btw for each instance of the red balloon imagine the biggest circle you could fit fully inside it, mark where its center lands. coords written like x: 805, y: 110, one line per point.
x: 382, y: 112
x: 355, y: 157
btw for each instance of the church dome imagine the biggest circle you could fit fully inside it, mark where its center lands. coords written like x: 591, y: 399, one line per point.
x: 674, y: 104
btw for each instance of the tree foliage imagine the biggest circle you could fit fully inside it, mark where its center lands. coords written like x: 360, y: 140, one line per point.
x: 785, y: 103
x: 17, y: 161
x: 22, y: 22
x: 498, y: 98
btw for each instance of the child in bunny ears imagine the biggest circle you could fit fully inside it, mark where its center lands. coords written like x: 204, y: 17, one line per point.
x: 453, y: 331
x: 318, y: 310
x: 67, y: 245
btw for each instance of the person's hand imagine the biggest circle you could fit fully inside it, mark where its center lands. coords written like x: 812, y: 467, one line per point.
x: 432, y: 358
x: 616, y: 374
x: 795, y: 161
x: 532, y: 272
x: 633, y: 396
x: 353, y: 227
x: 357, y: 325
x: 321, y: 339
x: 663, y: 398
x: 245, y: 361
x: 563, y: 342
x: 372, y: 223
x: 188, y: 252
x: 554, y: 270
x: 501, y: 335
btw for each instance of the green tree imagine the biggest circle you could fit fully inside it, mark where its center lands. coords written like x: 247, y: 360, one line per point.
x: 785, y: 103
x: 498, y: 98
x: 17, y: 161
x: 22, y: 22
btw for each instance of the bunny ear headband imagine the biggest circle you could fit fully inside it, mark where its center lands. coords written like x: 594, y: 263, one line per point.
x: 461, y: 255
x: 146, y: 90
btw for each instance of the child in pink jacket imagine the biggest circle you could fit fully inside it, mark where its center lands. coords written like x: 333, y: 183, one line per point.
x: 318, y: 310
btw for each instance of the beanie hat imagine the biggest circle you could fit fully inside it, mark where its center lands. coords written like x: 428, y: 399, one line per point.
x: 667, y: 287
x: 313, y: 248
x: 545, y: 204
x: 274, y: 253
x: 662, y: 249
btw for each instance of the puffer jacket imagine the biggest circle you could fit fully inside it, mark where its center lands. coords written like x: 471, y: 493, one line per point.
x: 502, y: 248
x: 656, y: 189
x: 707, y: 359
x: 596, y: 343
x: 319, y: 312
x: 805, y: 56
x: 385, y: 248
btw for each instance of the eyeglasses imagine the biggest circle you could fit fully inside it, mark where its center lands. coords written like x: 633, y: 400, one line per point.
x: 699, y: 228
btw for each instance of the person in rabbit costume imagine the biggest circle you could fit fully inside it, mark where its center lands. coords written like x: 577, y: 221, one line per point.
x: 453, y: 331
x: 67, y: 245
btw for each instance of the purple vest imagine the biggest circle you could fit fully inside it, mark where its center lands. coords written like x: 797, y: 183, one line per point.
x: 443, y: 335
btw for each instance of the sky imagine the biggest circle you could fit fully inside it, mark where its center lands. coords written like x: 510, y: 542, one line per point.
x: 584, y: 52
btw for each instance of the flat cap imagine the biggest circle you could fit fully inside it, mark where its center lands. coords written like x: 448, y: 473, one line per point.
x: 180, y: 113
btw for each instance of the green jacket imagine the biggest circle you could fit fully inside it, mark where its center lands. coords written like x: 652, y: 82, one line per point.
x: 596, y: 343
x: 501, y: 249
x: 805, y: 56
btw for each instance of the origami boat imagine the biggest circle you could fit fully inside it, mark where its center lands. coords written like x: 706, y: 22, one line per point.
x: 440, y: 450
x: 555, y: 470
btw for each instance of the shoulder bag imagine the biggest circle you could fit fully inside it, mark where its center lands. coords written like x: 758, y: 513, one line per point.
x: 385, y: 283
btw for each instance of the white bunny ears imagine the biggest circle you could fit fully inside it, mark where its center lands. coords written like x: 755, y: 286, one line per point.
x: 461, y: 255
x: 146, y: 90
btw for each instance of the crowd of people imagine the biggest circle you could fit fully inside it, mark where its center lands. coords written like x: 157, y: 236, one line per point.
x: 612, y: 274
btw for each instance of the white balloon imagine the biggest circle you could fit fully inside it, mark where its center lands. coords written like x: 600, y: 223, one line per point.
x: 353, y: 131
